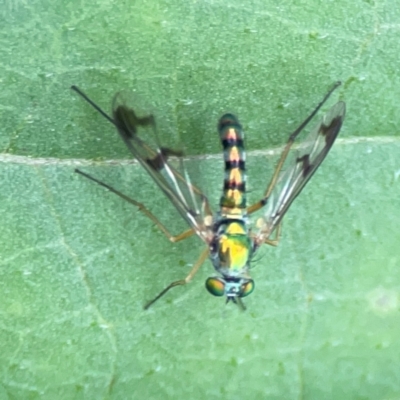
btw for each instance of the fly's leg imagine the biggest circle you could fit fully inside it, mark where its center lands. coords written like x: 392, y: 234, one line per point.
x: 240, y: 303
x: 141, y: 208
x: 289, y: 143
x: 275, y: 242
x: 181, y: 282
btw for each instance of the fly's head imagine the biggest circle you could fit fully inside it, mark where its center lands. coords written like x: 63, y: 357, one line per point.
x: 233, y: 288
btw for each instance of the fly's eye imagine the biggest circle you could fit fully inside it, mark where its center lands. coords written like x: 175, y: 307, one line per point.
x: 215, y: 286
x: 247, y: 288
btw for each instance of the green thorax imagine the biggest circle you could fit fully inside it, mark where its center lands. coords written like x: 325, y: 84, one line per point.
x: 234, y: 248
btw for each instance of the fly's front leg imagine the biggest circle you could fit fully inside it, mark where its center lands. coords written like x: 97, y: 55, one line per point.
x: 181, y: 282
x: 142, y: 208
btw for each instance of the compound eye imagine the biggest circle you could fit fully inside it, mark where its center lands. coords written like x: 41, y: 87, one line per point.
x: 247, y: 288
x: 215, y: 286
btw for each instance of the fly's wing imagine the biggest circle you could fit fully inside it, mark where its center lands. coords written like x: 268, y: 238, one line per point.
x: 175, y: 183
x: 299, y: 168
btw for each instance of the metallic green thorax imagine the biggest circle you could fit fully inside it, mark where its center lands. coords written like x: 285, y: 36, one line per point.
x: 234, y: 247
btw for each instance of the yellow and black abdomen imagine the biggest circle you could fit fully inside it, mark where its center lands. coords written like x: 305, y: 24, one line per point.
x: 234, y: 191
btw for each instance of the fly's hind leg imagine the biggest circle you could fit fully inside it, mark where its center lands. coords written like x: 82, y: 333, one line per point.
x: 142, y: 208
x: 181, y: 282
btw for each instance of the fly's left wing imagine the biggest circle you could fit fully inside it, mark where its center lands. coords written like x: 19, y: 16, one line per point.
x: 300, y: 168
x: 175, y: 183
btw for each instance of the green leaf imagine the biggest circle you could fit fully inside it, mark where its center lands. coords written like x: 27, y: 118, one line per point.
x: 78, y: 263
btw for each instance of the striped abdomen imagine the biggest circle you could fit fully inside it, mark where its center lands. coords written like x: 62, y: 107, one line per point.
x: 231, y: 135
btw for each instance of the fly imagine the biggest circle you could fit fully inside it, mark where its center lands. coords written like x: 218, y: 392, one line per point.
x: 230, y: 243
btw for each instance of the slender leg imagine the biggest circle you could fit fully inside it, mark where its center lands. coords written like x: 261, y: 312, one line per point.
x: 240, y: 303
x: 285, y: 153
x: 181, y: 282
x: 271, y: 242
x: 275, y: 242
x: 141, y: 208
